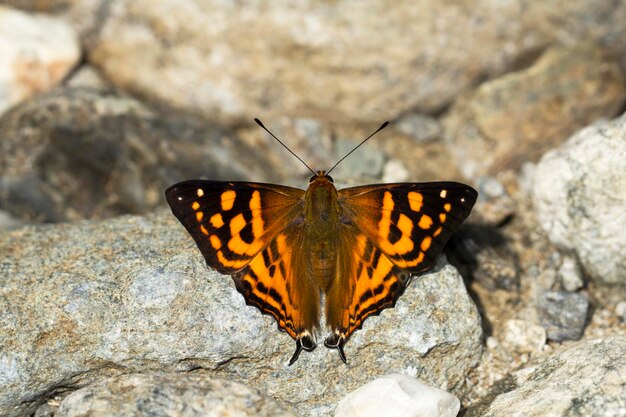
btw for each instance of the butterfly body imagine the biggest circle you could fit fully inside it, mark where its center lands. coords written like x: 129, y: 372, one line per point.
x: 285, y: 247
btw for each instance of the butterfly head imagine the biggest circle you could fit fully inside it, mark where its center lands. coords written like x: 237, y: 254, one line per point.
x: 321, y: 176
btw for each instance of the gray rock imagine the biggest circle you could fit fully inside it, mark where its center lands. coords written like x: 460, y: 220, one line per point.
x: 587, y: 379
x: 332, y: 60
x: 37, y: 53
x: 579, y: 197
x: 420, y: 127
x: 80, y: 302
x: 85, y: 153
x: 516, y: 118
x: 563, y: 314
x: 366, y: 163
x: 174, y: 394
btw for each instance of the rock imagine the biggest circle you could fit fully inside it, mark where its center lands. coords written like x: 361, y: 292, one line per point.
x: 81, y: 302
x: 563, y: 314
x: 620, y: 311
x: 85, y: 153
x: 579, y: 198
x: 495, y: 205
x: 483, y: 253
x: 332, y: 61
x: 570, y: 275
x: 165, y: 394
x: 366, y: 163
x: 586, y: 379
x: 395, y: 171
x: 398, y: 395
x: 37, y: 53
x: 520, y: 336
x: 516, y: 118
x: 420, y: 127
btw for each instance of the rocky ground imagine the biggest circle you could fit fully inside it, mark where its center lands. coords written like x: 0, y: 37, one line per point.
x: 106, y: 306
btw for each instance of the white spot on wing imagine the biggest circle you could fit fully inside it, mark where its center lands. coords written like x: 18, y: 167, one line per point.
x: 200, y: 192
x: 443, y: 193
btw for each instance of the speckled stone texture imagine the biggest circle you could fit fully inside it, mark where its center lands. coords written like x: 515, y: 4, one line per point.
x: 579, y: 197
x: 95, y: 299
x: 173, y: 394
x: 587, y: 379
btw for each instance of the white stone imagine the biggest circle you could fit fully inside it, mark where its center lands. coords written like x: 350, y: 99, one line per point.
x: 570, y: 275
x: 395, y: 171
x: 579, y: 198
x: 37, y: 53
x: 398, y: 395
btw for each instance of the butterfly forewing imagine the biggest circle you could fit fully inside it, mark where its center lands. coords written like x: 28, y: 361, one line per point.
x: 409, y: 222
x: 232, y: 222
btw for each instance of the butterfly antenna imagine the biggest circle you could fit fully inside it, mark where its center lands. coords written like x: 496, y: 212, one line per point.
x: 286, y: 147
x: 384, y: 125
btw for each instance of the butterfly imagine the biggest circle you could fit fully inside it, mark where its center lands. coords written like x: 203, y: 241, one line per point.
x: 284, y: 247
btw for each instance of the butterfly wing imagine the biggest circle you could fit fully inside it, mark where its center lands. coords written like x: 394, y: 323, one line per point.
x: 232, y: 222
x: 248, y: 230
x: 390, y: 231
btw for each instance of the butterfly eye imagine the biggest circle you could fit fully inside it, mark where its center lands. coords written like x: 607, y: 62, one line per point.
x: 330, y: 178
x: 312, y: 178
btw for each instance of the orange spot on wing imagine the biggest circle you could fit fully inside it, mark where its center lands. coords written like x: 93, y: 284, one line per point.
x: 227, y: 200
x: 447, y: 207
x: 203, y: 230
x: 215, y: 242
x: 216, y: 220
x: 199, y: 215
x: 425, y: 222
x: 195, y: 205
x: 426, y: 243
x: 442, y: 217
x: 257, y: 219
x: 415, y: 200
x: 437, y: 232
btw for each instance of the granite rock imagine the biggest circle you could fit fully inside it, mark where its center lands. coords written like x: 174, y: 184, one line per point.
x: 173, y: 394
x: 81, y: 302
x: 517, y: 117
x: 87, y: 153
x: 398, y: 395
x: 563, y: 314
x: 37, y: 52
x: 336, y: 61
x: 579, y: 198
x: 586, y: 379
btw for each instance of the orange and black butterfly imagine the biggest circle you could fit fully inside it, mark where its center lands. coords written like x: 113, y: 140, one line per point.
x: 285, y: 246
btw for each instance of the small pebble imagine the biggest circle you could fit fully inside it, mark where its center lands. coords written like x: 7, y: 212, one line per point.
x: 563, y: 314
x: 569, y: 274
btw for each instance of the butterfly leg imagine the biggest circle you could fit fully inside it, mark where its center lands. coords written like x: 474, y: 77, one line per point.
x: 336, y: 341
x: 302, y: 342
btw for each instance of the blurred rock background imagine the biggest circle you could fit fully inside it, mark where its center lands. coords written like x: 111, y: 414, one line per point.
x: 105, y: 103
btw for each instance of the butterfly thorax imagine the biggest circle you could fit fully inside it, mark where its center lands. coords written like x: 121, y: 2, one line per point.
x: 321, y: 224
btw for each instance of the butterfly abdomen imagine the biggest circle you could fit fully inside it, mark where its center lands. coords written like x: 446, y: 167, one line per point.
x: 321, y: 224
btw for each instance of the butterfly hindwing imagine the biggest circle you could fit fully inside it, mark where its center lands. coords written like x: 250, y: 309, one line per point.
x: 232, y: 222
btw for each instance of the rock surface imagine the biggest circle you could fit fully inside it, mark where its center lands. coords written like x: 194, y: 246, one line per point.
x: 37, y: 53
x: 175, y: 394
x: 579, y: 198
x: 518, y: 117
x: 80, y: 302
x: 398, y: 395
x: 83, y: 153
x: 563, y: 314
x: 339, y: 61
x: 587, y: 379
